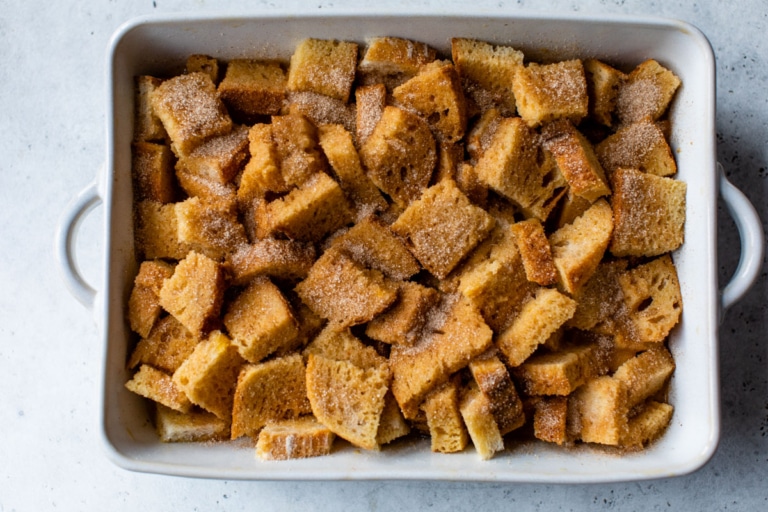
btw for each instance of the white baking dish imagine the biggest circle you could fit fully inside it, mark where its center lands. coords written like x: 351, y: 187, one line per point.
x: 161, y: 45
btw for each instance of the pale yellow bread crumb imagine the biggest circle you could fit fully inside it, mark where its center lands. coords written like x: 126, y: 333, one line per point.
x: 294, y: 439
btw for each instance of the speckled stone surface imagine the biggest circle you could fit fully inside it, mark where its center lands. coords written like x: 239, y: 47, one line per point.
x: 52, y: 95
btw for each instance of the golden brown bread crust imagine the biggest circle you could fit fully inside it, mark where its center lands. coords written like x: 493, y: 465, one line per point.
x: 545, y: 92
x: 294, y: 439
x: 252, y: 87
x: 323, y: 66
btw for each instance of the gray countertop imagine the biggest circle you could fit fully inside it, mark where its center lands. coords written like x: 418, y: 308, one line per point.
x: 53, y: 144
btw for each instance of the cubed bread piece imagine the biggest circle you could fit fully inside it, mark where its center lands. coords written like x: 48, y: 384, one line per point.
x: 446, y: 426
x: 392, y: 424
x: 480, y: 135
x: 200, y: 63
x: 370, y: 101
x: 510, y: 166
x: 209, y: 375
x: 152, y: 169
x: 576, y: 160
x: 600, y: 298
x: 652, y: 296
x: 321, y: 109
x: 601, y: 405
x: 323, y: 66
x: 646, y: 92
x: 579, y: 247
x: 649, y: 213
x: 641, y: 145
x: 342, y: 155
x: 470, y: 184
x: 260, y: 320
x: 316, y: 209
x: 400, y: 155
x: 310, y: 324
x: 395, y: 56
x: 603, y: 82
x: 262, y: 172
x: 190, y: 110
x: 561, y: 372
x: 487, y: 72
x: 476, y: 411
x: 340, y: 290
x: 372, y: 244
x: 550, y: 419
x: 144, y: 303
x: 535, y: 252
x: 455, y: 334
x: 402, y: 323
x: 287, y: 260
x: 340, y: 344
x: 539, y: 318
x: 442, y: 227
x: 493, y: 379
x: 347, y: 399
x: 210, y: 227
x: 147, y: 126
x: 208, y: 190
x: 647, y: 425
x: 219, y: 158
x: 159, y: 387
x: 270, y: 391
x: 167, y: 346
x: 297, y: 148
x: 646, y: 373
x: 435, y: 93
x: 299, y: 438
x: 157, y: 231
x: 194, y: 426
x: 449, y: 156
x: 195, y: 292
x: 253, y: 87
x: 545, y: 92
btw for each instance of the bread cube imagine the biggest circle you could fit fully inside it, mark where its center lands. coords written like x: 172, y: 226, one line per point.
x: 392, y: 424
x: 270, y: 391
x: 545, y: 92
x: 550, y: 419
x: 535, y: 251
x: 400, y: 155
x: 347, y: 399
x: 652, y: 296
x: 144, y: 303
x: 579, y: 247
x: 261, y: 174
x: 260, y: 320
x: 442, y: 227
x: 478, y: 417
x: 402, y: 323
x: 157, y: 231
x: 194, y: 426
x: 209, y: 375
x: 649, y: 214
x: 152, y: 169
x: 210, y: 227
x: 323, y: 66
x: 395, y: 56
x: 297, y: 148
x: 294, y: 439
x: 435, y: 94
x: 603, y: 82
x: 208, y: 190
x: 646, y: 92
x: 147, y: 126
x: 342, y: 155
x: 340, y: 290
x: 190, y: 110
x: 454, y: 334
x: 252, y: 87
x: 200, y: 63
x: 219, y: 158
x: 493, y: 379
x: 645, y: 374
x: 321, y: 109
x: 287, y: 260
x: 340, y: 344
x: 538, y: 319
x: 370, y: 101
x: 602, y: 409
x: 159, y: 387
x: 481, y: 133
x: 641, y: 145
x: 576, y: 160
x: 446, y: 426
x: 487, y: 72
x: 372, y: 244
x: 308, y: 213
x: 600, y: 298
x: 168, y: 344
x: 647, y: 425
x: 195, y: 292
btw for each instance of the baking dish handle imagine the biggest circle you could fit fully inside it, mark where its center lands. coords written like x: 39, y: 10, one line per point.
x: 66, y: 233
x: 752, y: 242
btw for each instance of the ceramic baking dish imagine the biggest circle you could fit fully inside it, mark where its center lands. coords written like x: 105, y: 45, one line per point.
x: 160, y: 45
